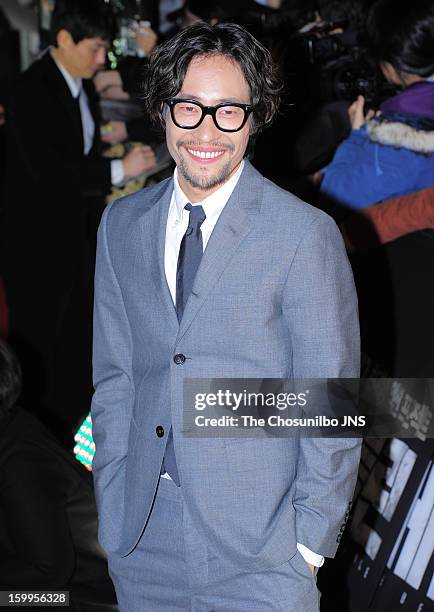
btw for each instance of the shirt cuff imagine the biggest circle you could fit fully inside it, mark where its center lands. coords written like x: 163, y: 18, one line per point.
x: 117, y: 171
x: 309, y: 556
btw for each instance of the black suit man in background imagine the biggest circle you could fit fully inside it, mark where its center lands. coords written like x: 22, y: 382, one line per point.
x: 56, y: 180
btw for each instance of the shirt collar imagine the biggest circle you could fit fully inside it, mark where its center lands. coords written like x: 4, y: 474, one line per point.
x: 214, y: 203
x: 74, y: 85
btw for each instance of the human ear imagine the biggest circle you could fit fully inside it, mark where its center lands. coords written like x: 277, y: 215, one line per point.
x: 64, y: 39
x: 390, y: 73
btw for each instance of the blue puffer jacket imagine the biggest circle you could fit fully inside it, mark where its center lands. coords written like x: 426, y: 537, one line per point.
x: 391, y: 155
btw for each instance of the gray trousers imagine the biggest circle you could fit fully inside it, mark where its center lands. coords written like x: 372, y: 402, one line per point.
x: 172, y: 570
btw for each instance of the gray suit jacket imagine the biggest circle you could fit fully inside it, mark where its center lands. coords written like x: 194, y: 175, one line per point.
x: 273, y: 297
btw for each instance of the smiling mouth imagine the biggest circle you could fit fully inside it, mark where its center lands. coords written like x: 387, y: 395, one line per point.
x: 205, y: 155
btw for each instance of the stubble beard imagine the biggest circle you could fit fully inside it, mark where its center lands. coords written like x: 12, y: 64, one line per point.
x: 203, y: 182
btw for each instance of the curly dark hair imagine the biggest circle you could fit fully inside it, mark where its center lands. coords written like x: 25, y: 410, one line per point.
x: 169, y: 63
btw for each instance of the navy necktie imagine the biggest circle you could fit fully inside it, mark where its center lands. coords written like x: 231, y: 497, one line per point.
x: 190, y: 254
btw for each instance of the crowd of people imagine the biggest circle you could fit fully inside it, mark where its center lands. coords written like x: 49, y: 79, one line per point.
x: 74, y: 131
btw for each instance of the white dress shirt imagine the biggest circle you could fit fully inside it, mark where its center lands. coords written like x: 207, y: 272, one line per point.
x: 87, y: 122
x: 178, y: 217
x: 177, y: 223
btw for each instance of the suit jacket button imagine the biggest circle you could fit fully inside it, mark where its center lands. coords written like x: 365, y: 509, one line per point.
x: 160, y: 431
x: 179, y: 359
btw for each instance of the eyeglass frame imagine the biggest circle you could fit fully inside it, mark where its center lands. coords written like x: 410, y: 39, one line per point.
x: 208, y: 110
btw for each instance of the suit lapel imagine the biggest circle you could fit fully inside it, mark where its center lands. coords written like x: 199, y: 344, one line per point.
x: 232, y: 227
x: 154, y: 243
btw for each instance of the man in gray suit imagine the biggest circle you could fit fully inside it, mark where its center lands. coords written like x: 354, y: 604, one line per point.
x: 216, y: 273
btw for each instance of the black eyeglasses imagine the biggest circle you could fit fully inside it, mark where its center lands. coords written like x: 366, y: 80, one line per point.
x: 189, y: 114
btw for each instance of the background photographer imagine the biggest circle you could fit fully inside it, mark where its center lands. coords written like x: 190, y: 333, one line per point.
x: 391, y: 153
